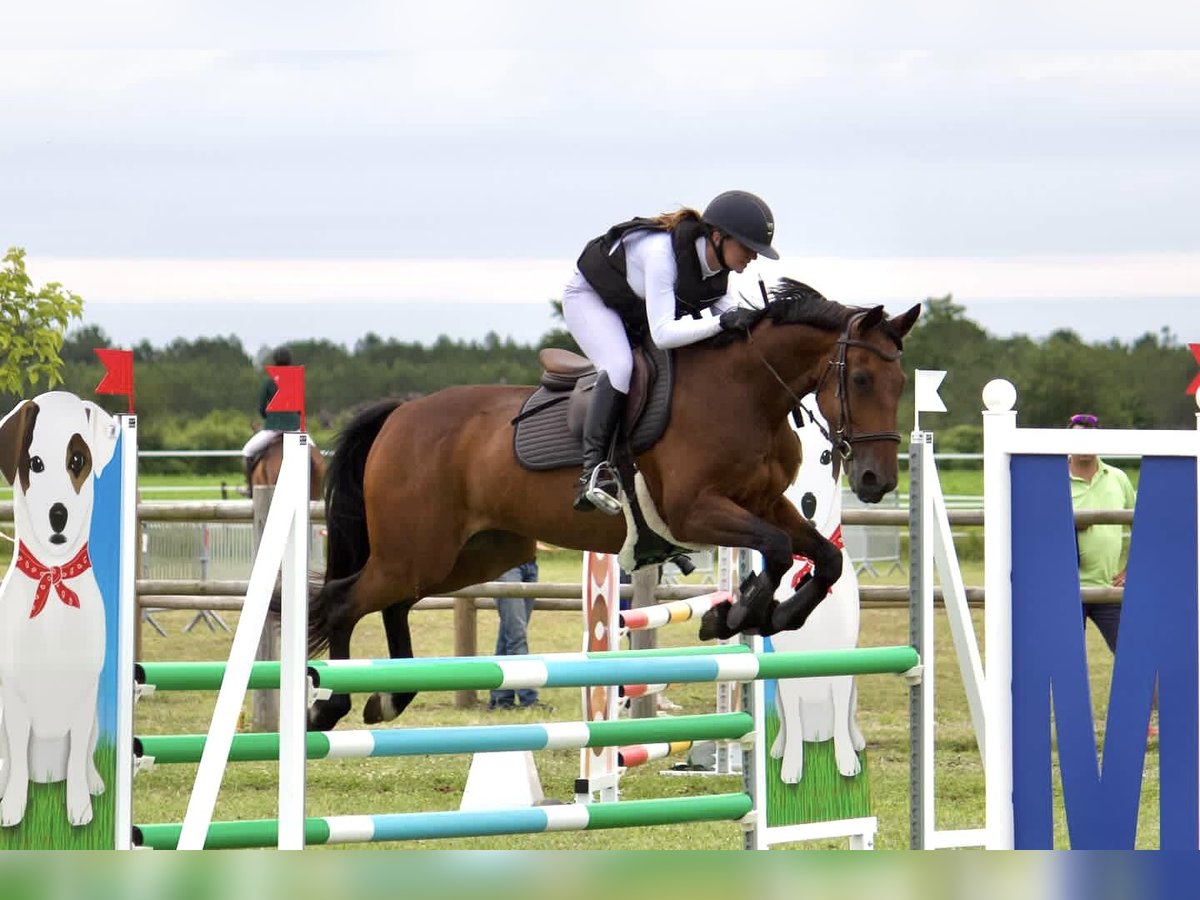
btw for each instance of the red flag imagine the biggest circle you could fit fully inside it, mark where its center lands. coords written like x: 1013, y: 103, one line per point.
x: 118, y: 375
x: 289, y: 390
x: 1195, y: 385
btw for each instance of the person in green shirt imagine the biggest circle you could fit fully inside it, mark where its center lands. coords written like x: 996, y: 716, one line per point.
x: 274, y: 423
x: 1097, y: 485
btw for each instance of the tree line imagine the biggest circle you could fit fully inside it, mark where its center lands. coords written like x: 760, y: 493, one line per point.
x: 1141, y: 384
x: 202, y: 394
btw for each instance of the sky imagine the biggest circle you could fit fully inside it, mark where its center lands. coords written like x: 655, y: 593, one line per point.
x: 436, y: 168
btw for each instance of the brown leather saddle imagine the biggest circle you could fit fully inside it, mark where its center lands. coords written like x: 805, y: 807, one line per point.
x: 549, y: 428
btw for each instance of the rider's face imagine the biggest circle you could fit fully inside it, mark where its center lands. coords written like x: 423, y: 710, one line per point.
x: 737, y: 254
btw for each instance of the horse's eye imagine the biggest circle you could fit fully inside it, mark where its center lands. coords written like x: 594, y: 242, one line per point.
x: 36, y: 464
x: 826, y: 457
x: 76, y: 463
x: 861, y: 379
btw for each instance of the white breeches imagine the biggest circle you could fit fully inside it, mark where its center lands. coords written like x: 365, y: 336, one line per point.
x: 258, y: 441
x: 599, y: 332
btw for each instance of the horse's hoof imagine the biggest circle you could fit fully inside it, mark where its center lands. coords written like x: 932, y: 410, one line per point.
x: 714, y: 624
x: 325, y: 714
x: 756, y: 593
x: 373, y: 710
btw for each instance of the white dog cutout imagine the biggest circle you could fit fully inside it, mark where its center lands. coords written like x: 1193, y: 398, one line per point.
x: 52, y: 639
x: 817, y: 709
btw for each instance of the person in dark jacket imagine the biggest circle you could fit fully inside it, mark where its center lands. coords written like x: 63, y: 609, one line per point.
x: 663, y: 279
x: 273, y: 422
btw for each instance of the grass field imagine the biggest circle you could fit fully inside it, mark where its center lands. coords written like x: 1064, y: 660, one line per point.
x: 436, y: 782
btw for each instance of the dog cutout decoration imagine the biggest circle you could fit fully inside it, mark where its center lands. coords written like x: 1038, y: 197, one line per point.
x: 52, y: 619
x: 819, y: 709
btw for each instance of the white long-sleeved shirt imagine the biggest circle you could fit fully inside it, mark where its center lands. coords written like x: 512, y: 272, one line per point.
x: 651, y: 271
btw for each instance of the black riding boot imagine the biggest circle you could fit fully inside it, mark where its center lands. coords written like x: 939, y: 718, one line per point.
x: 599, y: 487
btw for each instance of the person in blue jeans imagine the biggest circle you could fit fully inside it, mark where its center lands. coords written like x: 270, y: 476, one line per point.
x: 511, y: 638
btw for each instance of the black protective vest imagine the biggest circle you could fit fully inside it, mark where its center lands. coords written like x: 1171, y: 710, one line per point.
x: 605, y: 271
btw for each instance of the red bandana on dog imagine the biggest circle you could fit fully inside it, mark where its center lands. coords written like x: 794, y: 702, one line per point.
x: 835, y: 539
x: 53, y: 575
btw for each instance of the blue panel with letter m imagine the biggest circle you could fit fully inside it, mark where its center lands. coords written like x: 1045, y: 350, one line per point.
x: 1157, y: 641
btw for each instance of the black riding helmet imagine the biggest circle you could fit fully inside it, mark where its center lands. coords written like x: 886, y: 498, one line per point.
x: 745, y: 218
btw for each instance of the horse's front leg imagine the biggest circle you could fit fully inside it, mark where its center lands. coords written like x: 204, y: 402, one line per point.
x: 717, y: 520
x: 807, y: 541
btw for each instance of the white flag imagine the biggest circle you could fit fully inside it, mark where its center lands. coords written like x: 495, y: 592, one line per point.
x: 927, y: 397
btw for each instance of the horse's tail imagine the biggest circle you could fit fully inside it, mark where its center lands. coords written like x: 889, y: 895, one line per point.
x: 345, y: 511
x: 348, y: 545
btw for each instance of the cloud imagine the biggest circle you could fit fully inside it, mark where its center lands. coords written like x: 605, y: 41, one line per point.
x: 524, y: 146
x: 848, y: 26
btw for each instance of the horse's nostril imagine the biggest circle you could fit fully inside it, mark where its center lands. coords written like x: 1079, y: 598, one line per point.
x: 868, y: 478
x: 58, y: 517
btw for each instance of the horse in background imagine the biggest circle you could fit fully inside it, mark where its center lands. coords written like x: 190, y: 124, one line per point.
x: 427, y: 496
x: 264, y: 469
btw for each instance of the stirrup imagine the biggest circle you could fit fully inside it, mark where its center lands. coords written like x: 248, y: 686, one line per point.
x: 604, y: 477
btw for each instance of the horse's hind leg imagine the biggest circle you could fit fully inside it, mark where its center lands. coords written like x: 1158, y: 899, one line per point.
x: 485, y: 555
x: 325, y: 714
x: 330, y: 624
x: 385, y: 707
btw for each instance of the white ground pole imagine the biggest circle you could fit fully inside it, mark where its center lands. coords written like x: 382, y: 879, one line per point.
x: 127, y: 617
x: 1002, y: 439
x: 284, y: 543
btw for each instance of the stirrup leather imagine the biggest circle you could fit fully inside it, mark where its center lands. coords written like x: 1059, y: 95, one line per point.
x: 603, y: 489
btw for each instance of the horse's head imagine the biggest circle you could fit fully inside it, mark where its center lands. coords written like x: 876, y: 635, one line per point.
x: 859, y: 394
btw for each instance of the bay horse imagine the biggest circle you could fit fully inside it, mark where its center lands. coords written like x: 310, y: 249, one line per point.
x: 265, y: 470
x: 427, y: 497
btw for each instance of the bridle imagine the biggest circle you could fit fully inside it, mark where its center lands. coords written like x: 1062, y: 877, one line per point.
x: 842, y: 440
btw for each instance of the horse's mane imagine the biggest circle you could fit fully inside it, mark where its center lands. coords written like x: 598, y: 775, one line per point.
x: 795, y: 303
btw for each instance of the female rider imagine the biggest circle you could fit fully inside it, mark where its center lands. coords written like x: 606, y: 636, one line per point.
x: 664, y: 279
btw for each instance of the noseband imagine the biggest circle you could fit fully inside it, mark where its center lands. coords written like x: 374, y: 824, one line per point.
x: 841, y: 439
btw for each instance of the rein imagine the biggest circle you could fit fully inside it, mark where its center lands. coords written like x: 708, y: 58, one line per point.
x: 841, y: 440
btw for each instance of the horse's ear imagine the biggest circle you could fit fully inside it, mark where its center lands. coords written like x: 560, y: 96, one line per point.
x: 903, y: 324
x: 870, y: 319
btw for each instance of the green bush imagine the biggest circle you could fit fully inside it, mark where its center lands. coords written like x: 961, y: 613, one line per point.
x: 219, y: 430
x: 959, y: 439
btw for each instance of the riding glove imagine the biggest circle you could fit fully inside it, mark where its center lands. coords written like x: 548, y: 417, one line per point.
x: 739, y: 318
